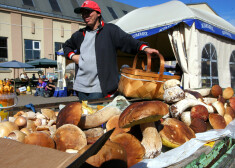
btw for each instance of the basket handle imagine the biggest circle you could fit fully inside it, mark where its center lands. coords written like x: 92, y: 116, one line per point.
x: 149, y: 62
x: 149, y: 59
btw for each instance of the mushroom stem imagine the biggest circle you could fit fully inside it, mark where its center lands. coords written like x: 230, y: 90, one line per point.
x: 178, y: 108
x: 151, y: 140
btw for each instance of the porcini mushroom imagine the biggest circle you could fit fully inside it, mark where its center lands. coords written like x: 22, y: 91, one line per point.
x: 232, y: 102
x: 98, y: 118
x: 178, y: 108
x: 93, y: 134
x: 173, y: 94
x: 228, y: 93
x: 17, y: 135
x: 175, y: 133
x: 199, y: 111
x: 198, y: 125
x: 20, y: 121
x: 134, y: 150
x: 203, y: 91
x: 229, y: 114
x: 70, y: 114
x: 49, y: 114
x: 110, y: 151
x: 216, y: 90
x: 219, y: 106
x: 217, y: 121
x: 193, y: 94
x: 145, y: 113
x: 113, y: 123
x: 40, y: 139
x: 69, y: 136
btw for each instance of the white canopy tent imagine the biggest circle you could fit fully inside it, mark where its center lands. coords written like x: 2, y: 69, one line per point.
x: 202, y: 43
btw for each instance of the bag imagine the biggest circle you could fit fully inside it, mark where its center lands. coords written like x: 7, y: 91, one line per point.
x: 137, y: 83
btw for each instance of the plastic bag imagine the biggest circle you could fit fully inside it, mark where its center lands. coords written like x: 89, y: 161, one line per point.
x: 187, y: 149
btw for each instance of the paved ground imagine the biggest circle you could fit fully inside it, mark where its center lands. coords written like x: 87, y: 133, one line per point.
x: 26, y: 99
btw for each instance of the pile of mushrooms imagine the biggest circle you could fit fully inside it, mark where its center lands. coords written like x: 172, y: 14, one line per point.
x: 141, y: 130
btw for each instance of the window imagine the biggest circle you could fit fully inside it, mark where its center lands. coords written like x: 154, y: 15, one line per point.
x: 28, y: 2
x: 3, y: 49
x: 125, y: 12
x: 32, y: 50
x: 54, y: 5
x: 209, y: 66
x: 232, y: 69
x: 112, y: 12
x: 58, y: 46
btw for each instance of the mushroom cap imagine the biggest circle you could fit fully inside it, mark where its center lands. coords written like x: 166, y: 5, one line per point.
x: 109, y: 151
x: 40, y: 139
x: 229, y: 114
x: 93, y: 134
x: 232, y: 102
x: 31, y: 125
x: 134, y: 149
x: 173, y: 94
x: 113, y: 122
x: 4, y: 131
x: 26, y: 131
x: 70, y: 114
x: 20, y: 121
x: 217, y: 121
x: 198, y: 125
x: 228, y: 93
x: 19, y: 113
x: 49, y: 114
x: 17, y: 135
x: 142, y: 112
x: 216, y: 90
x: 9, y: 125
x: 171, y: 83
x: 199, y: 111
x: 69, y: 136
x: 175, y: 133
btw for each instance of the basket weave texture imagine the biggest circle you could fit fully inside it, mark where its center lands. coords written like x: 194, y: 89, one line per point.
x: 137, y: 83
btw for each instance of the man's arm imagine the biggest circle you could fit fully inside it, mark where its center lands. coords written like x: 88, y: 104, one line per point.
x: 75, y: 58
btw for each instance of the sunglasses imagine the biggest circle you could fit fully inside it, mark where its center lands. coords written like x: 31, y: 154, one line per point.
x: 86, y: 12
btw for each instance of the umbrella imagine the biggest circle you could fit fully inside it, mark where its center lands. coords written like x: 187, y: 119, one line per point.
x: 15, y: 64
x: 43, y: 63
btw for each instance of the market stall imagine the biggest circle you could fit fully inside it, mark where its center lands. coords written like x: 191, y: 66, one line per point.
x: 201, y: 42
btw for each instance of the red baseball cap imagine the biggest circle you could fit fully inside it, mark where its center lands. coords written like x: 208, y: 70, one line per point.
x: 89, y: 5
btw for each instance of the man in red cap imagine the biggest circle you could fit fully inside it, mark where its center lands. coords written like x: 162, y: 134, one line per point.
x: 96, y: 48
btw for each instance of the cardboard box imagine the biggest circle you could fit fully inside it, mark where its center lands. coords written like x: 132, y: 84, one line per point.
x: 15, y: 154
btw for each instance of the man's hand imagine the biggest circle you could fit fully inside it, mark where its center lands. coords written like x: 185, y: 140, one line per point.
x: 151, y: 51
x: 75, y: 58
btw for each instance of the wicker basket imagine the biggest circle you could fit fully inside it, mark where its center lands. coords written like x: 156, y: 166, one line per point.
x: 137, y: 83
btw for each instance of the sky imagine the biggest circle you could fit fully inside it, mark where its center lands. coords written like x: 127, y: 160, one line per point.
x: 224, y: 8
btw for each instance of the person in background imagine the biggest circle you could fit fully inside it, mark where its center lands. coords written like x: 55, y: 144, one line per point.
x: 50, y: 88
x: 33, y: 77
x: 26, y: 78
x: 94, y: 51
x: 40, y: 89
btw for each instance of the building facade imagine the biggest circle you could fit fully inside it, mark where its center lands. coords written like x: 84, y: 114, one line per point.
x: 33, y: 29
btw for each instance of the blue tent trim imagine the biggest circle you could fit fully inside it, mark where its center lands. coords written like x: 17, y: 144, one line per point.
x: 200, y: 25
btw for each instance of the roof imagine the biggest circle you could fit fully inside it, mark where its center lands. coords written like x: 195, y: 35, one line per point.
x: 65, y: 8
x: 162, y: 17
